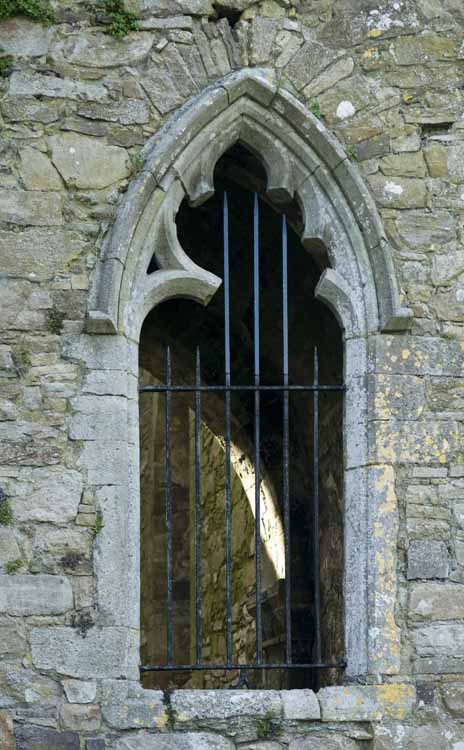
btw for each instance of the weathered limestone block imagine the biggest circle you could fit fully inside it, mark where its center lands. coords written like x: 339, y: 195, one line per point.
x: 439, y: 648
x: 41, y: 738
x: 33, y: 208
x: 128, y: 706
x: 340, y: 70
x: 37, y: 172
x: 447, y: 267
x: 85, y: 718
x: 35, y: 595
x: 308, y: 63
x: 399, y: 192
x: 33, y: 84
x: 184, y: 741
x: 112, y: 652
x: 21, y: 685
x: 80, y: 691
x: 419, y: 355
x: 349, y: 704
x: 456, y: 162
x: 126, y: 111
x: 87, y: 163
x: 436, y: 157
x: 425, y: 48
x: 300, y: 704
x: 191, y: 705
x: 327, y: 741
x: 428, y: 559
x: 48, y: 495
x: 9, y: 547
x: 436, y: 601
x: 6, y: 732
x: 40, y: 251
x: 96, y: 50
x: 12, y: 641
x: 97, y: 417
x: 55, y: 548
x: 23, y: 37
x: 424, y: 230
x: 404, y: 165
x: 163, y: 8
x: 453, y: 698
x: 410, y: 442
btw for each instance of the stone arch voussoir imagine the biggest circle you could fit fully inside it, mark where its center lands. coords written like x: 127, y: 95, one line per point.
x: 301, y: 158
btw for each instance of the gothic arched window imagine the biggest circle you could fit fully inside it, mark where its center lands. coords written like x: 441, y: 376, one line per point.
x: 241, y: 454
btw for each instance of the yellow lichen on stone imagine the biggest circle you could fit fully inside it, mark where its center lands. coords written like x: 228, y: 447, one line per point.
x: 396, y: 699
x: 374, y: 33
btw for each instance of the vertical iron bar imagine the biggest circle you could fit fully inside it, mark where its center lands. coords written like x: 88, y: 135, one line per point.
x: 285, y: 449
x: 198, y: 518
x: 227, y: 436
x: 168, y: 496
x: 316, y: 553
x: 259, y: 634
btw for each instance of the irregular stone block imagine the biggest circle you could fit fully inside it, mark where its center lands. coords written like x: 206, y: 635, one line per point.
x: 396, y: 700
x: 9, y: 547
x: 192, y: 705
x: 95, y: 744
x: 300, y: 704
x: 326, y: 741
x: 37, y: 172
x: 126, y: 111
x: 97, y: 50
x: 80, y: 691
x: 41, y: 738
x: 85, y: 718
x: 12, y: 641
x: 28, y: 83
x: 439, y: 648
x: 30, y: 208
x: 411, y: 442
x: 436, y: 601
x: 23, y: 37
x: 349, y: 704
x: 87, y: 163
x: 184, y: 741
x: 35, y: 595
x: 396, y: 192
x: 6, y: 732
x: 127, y: 705
x: 51, y: 496
x: 453, y: 698
x: 46, y: 250
x: 97, y: 417
x: 106, y: 652
x: 427, y: 559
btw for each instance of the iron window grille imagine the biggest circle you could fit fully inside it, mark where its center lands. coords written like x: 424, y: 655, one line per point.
x: 198, y: 388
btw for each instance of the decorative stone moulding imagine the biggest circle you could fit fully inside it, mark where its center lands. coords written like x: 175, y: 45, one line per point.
x: 302, y: 160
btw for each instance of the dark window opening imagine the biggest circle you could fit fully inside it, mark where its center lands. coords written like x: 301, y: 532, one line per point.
x: 232, y: 15
x: 199, y: 446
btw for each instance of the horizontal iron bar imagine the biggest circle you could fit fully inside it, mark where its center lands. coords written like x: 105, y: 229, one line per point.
x: 233, y: 667
x: 194, y: 388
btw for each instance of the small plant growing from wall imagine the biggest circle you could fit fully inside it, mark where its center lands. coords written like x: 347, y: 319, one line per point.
x: 38, y: 10
x: 98, y: 525
x: 6, y: 514
x: 122, y: 21
x: 315, y: 108
x: 13, y: 566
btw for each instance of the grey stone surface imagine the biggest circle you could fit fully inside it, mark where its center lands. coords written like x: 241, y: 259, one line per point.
x: 37, y: 172
x: 209, y: 704
x: 327, y: 741
x: 35, y: 595
x: 48, y: 496
x: 103, y: 651
x: 91, y: 49
x: 349, y: 704
x: 22, y: 37
x: 42, y: 738
x: 25, y: 208
x: 300, y: 704
x: 432, y: 601
x: 80, y: 691
x: 33, y: 84
x: 428, y: 559
x: 185, y: 741
x: 87, y: 163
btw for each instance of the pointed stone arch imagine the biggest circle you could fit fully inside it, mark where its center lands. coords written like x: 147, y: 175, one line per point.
x: 302, y: 160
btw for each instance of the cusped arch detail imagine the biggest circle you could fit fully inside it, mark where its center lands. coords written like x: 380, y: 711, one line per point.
x: 302, y: 160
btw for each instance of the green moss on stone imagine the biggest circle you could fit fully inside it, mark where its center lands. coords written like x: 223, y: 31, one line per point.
x: 6, y: 66
x: 315, y: 108
x: 122, y: 20
x: 55, y: 320
x: 98, y: 525
x: 13, y: 566
x: 6, y: 514
x: 38, y: 10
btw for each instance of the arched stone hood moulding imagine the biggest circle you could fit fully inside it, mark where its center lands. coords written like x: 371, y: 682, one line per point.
x: 302, y: 159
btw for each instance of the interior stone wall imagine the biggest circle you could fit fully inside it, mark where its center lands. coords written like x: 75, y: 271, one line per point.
x: 76, y: 109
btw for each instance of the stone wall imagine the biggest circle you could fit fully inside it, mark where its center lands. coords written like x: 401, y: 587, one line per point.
x: 76, y: 109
